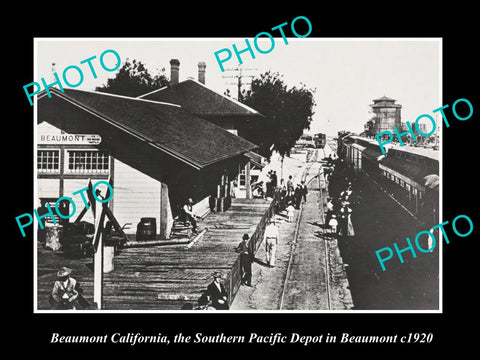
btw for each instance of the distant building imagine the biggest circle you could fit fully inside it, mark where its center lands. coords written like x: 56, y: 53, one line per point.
x: 387, y: 115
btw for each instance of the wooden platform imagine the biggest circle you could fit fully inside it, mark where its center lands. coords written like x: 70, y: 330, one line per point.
x: 166, y: 277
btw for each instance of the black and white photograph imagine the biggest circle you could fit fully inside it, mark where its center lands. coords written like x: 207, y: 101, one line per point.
x: 195, y: 180
x: 167, y: 175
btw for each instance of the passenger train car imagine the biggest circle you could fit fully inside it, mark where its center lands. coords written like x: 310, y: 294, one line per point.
x: 305, y: 141
x: 409, y: 174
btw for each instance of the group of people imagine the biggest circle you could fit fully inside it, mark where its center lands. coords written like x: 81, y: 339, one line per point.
x: 67, y: 295
x: 215, y: 297
x: 339, y: 206
x: 271, y: 184
x: 247, y: 257
x: 289, y: 196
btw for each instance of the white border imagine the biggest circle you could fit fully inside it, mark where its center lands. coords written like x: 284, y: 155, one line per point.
x: 372, y: 39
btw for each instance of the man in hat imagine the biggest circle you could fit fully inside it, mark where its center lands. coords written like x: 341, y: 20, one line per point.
x: 246, y: 259
x: 217, y: 294
x: 290, y: 185
x: 304, y: 191
x: 270, y: 237
x: 64, y: 294
x: 298, y: 196
x: 189, y: 215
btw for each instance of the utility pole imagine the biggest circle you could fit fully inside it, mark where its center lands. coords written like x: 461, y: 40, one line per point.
x: 238, y: 74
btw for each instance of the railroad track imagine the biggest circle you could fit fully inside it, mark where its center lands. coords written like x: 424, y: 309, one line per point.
x: 327, y: 253
x: 312, y: 160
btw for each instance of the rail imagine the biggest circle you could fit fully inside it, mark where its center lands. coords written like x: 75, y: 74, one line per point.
x: 295, y: 234
x: 295, y: 240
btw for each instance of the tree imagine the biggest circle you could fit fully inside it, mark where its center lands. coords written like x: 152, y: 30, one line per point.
x: 288, y: 112
x: 133, y: 79
x: 369, y: 127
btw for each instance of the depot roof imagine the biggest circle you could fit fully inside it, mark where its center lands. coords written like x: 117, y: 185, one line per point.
x: 200, y: 100
x: 167, y: 127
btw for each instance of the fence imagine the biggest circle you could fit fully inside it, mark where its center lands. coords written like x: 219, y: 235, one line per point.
x: 234, y: 278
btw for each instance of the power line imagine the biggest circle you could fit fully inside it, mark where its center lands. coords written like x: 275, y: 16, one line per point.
x: 239, y: 75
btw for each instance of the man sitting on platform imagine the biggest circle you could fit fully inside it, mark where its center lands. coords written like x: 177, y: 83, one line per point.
x: 217, y: 294
x: 189, y: 215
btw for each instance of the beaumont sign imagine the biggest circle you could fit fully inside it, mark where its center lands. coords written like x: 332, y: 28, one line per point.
x: 69, y: 139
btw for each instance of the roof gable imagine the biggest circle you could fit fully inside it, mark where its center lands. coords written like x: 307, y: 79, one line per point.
x: 200, y: 100
x: 165, y: 126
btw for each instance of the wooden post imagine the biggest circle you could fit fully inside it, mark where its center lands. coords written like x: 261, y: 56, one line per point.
x: 98, y: 259
x: 98, y: 248
x: 248, y: 186
x: 164, y: 204
x: 281, y: 168
x: 98, y: 267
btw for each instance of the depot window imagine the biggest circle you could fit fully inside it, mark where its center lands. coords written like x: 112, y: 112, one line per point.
x: 48, y: 161
x: 242, y: 177
x: 87, y: 162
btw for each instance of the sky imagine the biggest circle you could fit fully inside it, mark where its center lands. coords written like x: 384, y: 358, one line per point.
x: 347, y: 74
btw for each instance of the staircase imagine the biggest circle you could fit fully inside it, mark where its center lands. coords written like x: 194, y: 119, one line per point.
x: 181, y: 229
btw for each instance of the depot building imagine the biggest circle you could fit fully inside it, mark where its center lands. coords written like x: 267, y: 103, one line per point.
x: 157, y: 155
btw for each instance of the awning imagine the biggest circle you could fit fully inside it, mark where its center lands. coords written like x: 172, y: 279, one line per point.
x: 255, y: 158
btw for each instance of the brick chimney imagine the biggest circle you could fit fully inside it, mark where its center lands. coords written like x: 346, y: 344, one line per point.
x: 201, y: 72
x: 174, y: 71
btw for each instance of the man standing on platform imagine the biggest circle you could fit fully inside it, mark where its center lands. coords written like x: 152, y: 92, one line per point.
x: 271, y: 240
x: 246, y: 259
